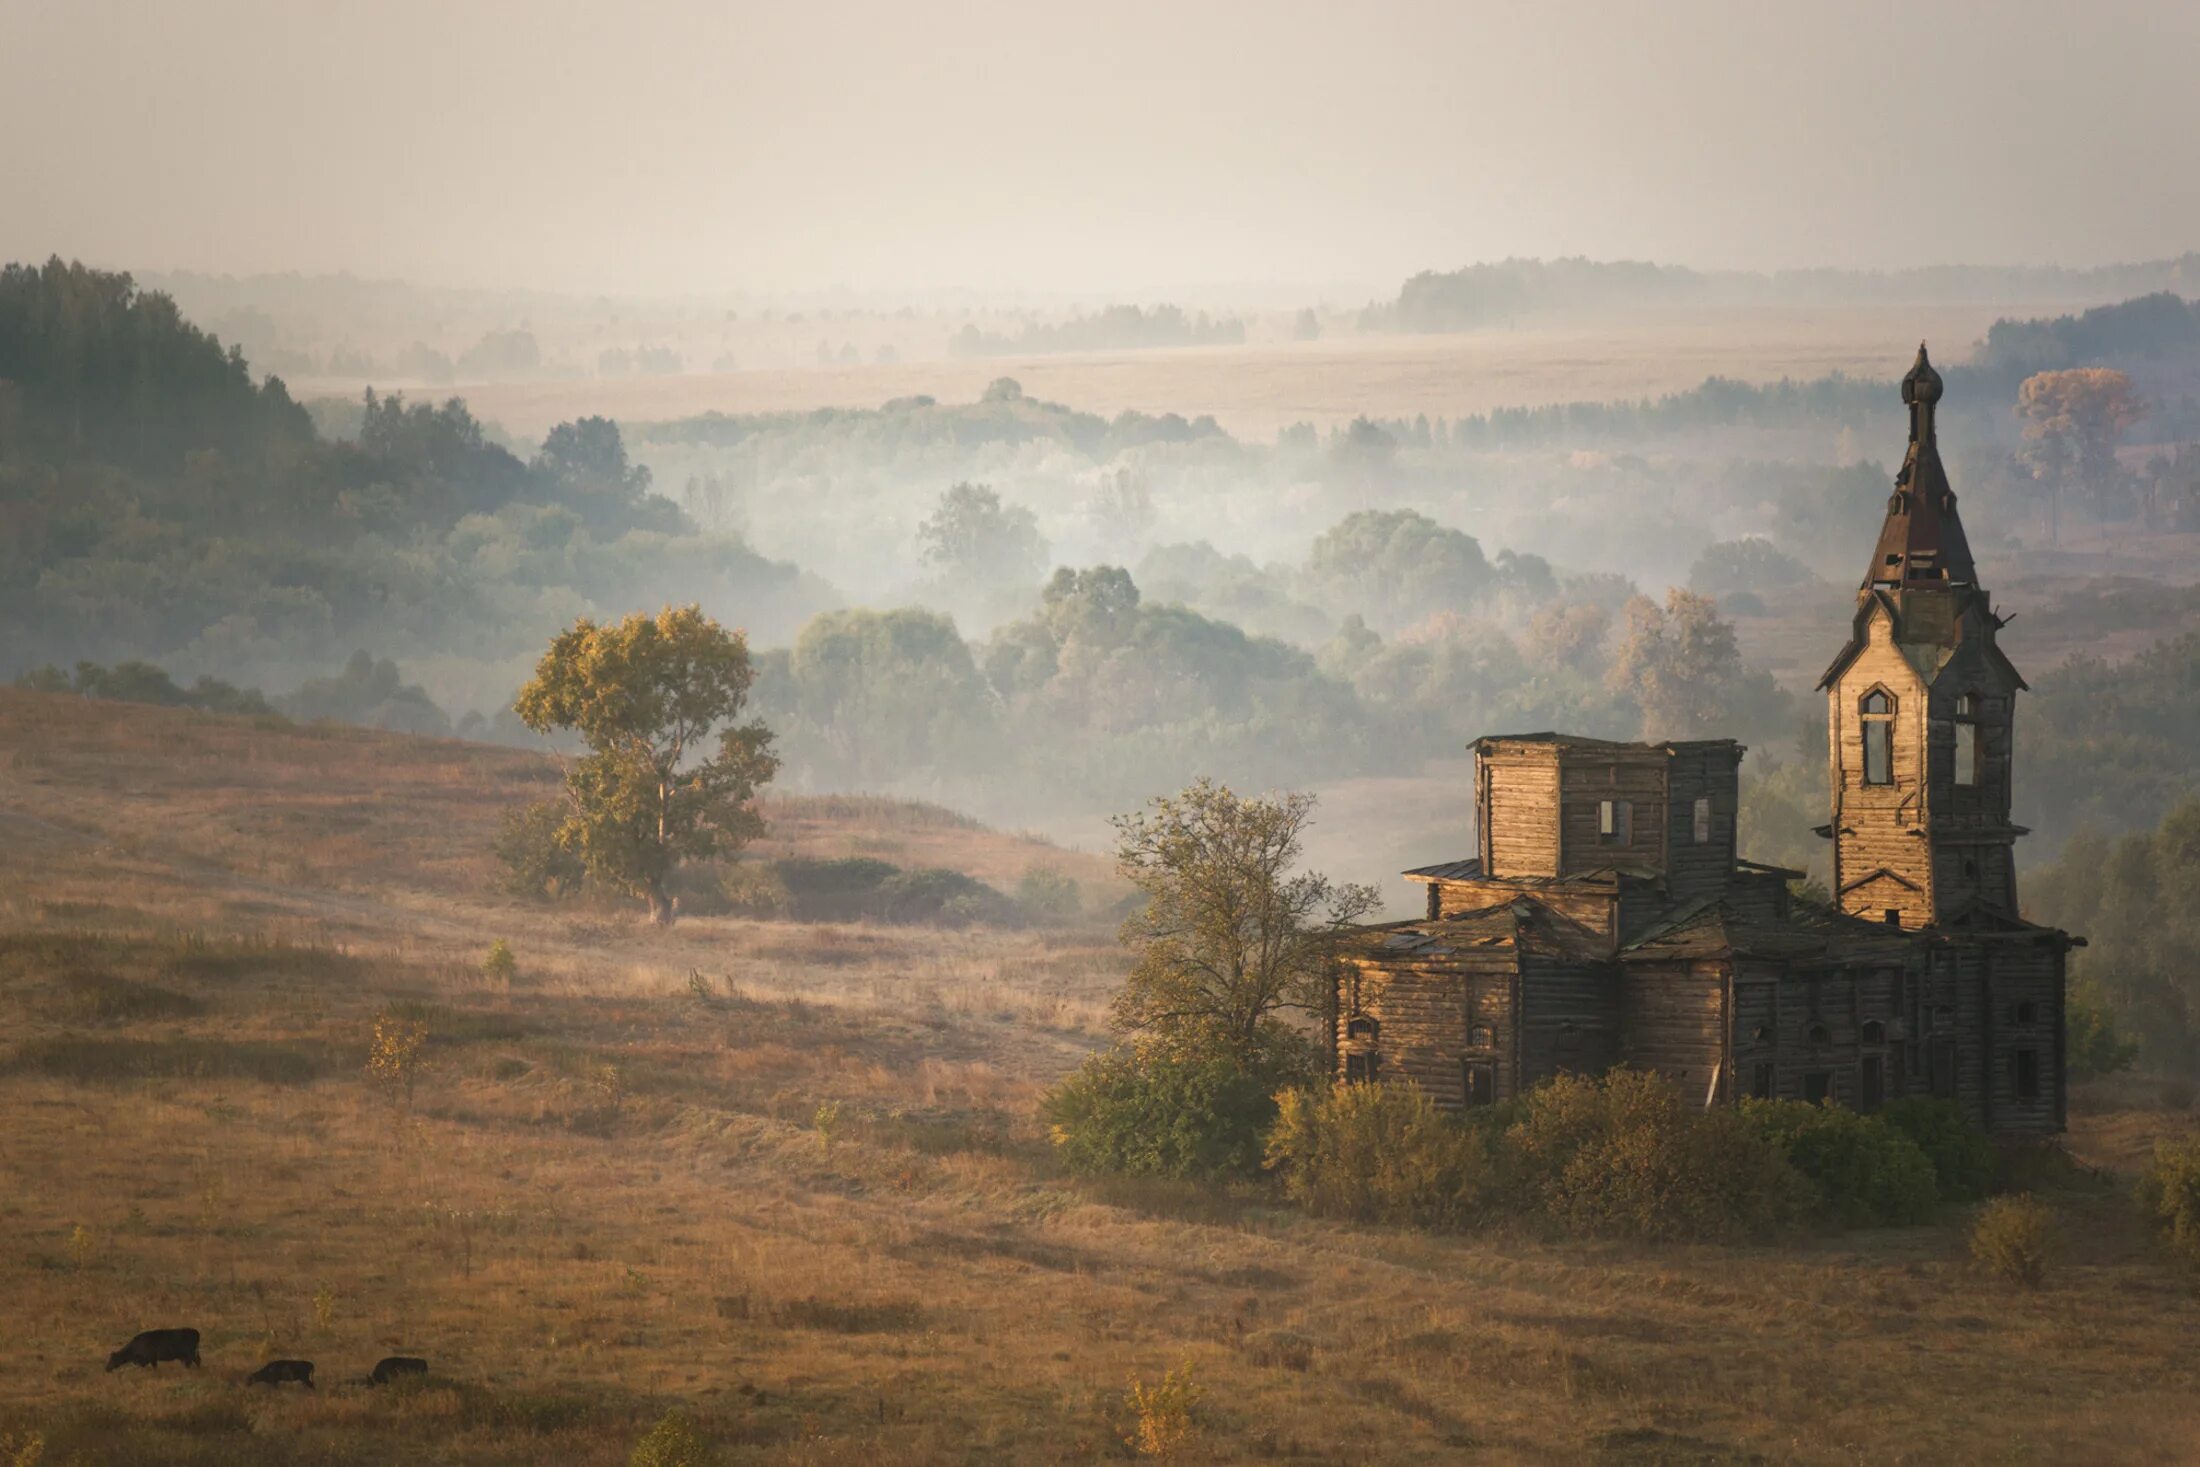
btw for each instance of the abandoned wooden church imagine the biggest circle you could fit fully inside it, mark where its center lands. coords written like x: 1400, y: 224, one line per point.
x: 1607, y: 917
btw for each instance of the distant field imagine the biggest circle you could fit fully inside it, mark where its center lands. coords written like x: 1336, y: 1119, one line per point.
x: 1255, y: 389
x: 804, y: 1193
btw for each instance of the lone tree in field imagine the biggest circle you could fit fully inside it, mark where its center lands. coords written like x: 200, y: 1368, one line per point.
x: 645, y: 696
x: 2072, y: 421
x: 1229, y: 937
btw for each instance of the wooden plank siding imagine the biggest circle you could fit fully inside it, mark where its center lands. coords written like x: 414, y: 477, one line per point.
x: 1427, y: 1018
x: 1880, y: 827
x: 1674, y: 1021
x: 1517, y: 793
x: 1587, y: 779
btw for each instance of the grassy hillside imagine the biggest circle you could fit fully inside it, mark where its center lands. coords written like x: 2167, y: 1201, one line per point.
x: 802, y: 1192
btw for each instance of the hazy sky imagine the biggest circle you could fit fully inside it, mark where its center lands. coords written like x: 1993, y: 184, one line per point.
x: 1124, y: 147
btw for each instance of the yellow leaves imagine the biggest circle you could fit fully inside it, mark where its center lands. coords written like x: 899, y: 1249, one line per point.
x: 397, y: 1055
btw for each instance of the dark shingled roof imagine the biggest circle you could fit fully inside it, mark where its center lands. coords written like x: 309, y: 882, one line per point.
x: 1709, y: 927
x: 1922, y: 543
x: 1520, y: 925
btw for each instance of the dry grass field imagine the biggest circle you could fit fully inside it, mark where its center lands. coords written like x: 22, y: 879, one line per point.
x: 802, y: 1192
x: 1254, y: 389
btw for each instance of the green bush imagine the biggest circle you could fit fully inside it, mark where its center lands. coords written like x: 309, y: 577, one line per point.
x: 2016, y: 1238
x: 1381, y: 1153
x: 755, y: 889
x: 939, y: 897
x: 1625, y: 1155
x: 1963, y: 1158
x: 2169, y: 1197
x: 1149, y: 1113
x: 1867, y: 1173
x: 2093, y: 1047
x: 536, y: 863
x: 835, y: 890
x: 1047, y: 895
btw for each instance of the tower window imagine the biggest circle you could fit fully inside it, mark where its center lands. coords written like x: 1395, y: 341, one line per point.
x: 1966, y: 740
x: 1878, y: 715
x: 1612, y: 822
x: 1702, y: 829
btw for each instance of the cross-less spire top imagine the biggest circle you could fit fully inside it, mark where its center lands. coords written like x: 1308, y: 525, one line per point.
x: 1922, y: 543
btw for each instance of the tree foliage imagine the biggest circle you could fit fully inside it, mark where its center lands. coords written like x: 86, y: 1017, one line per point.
x: 1229, y: 936
x: 645, y: 695
x: 971, y: 533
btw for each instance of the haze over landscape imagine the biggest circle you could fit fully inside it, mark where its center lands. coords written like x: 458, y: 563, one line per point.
x: 751, y: 733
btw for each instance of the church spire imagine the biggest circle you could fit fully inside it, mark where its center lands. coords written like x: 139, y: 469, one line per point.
x: 1922, y: 544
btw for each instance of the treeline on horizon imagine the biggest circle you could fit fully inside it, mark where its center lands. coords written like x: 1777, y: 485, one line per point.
x: 1496, y: 292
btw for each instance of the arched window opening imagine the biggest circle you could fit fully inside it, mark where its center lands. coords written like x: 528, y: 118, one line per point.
x: 1877, y: 710
x: 1818, y: 1034
x: 1875, y: 1032
x: 2027, y: 1013
x: 1360, y: 1026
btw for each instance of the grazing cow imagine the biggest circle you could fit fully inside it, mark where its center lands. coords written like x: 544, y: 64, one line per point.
x: 397, y: 1365
x: 275, y: 1372
x: 152, y: 1346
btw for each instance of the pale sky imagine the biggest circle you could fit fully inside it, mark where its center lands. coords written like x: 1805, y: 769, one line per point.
x: 649, y: 146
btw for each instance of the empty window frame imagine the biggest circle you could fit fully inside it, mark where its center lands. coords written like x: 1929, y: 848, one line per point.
x: 2024, y: 1073
x: 1817, y: 1086
x: 1614, y: 818
x: 1966, y: 740
x: 1871, y: 1082
x: 1701, y: 826
x: 1817, y: 1034
x: 1479, y: 1078
x: 1360, y: 1026
x: 1359, y: 1069
x: 2024, y: 1013
x: 1873, y: 1032
x: 1760, y: 1083
x: 1877, y: 712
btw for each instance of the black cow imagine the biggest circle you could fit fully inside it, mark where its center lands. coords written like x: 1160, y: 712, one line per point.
x: 397, y: 1365
x: 275, y: 1372
x: 155, y: 1345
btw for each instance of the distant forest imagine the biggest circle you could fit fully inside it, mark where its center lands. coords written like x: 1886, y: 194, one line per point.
x: 1057, y: 607
x: 1520, y: 289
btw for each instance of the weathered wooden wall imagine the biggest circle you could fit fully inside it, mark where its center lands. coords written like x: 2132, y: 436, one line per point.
x: 1673, y: 1020
x: 1517, y: 809
x: 1880, y: 826
x: 1429, y: 1017
x: 1587, y: 778
x: 1694, y: 868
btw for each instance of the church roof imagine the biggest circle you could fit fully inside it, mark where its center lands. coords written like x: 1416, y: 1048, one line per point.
x: 1922, y: 543
x: 1714, y: 927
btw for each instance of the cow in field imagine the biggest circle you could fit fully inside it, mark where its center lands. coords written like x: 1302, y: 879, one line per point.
x: 275, y: 1372
x: 152, y: 1346
x: 399, y: 1365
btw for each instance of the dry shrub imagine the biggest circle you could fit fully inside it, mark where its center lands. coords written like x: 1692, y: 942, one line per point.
x: 2169, y: 1197
x: 1626, y: 1156
x: 1379, y: 1153
x: 2015, y: 1238
x: 674, y: 1441
x: 1162, y: 1425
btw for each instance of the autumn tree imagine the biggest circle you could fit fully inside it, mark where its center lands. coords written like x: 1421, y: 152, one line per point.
x: 646, y: 696
x: 1681, y: 664
x: 2072, y: 420
x: 1230, y: 935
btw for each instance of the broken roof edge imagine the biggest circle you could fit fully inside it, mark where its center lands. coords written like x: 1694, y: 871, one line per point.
x: 1615, y: 746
